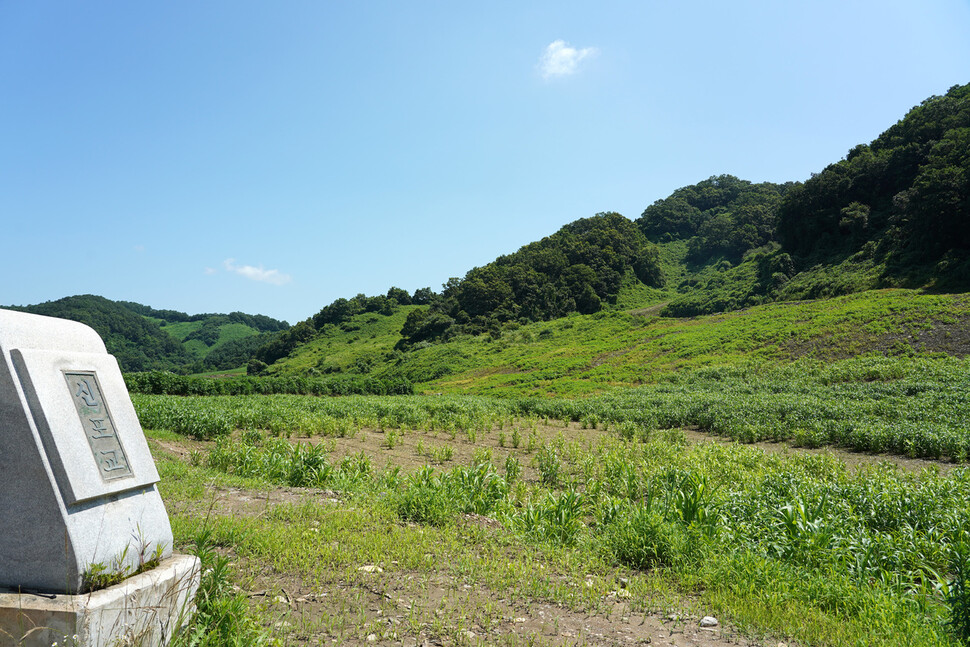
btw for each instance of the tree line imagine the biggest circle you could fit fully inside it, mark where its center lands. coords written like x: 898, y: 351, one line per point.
x: 580, y: 268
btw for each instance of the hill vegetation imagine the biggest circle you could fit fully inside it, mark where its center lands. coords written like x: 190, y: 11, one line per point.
x: 575, y: 451
x: 893, y: 213
x: 580, y: 268
x: 146, y: 339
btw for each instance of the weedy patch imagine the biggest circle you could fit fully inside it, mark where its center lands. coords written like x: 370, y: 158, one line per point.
x: 591, y: 520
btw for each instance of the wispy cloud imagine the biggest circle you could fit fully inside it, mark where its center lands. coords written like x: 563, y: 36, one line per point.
x: 260, y: 273
x: 561, y: 59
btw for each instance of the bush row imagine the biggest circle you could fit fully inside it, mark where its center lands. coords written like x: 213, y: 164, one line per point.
x: 164, y: 383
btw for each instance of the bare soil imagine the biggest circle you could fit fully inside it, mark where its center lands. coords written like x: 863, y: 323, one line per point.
x: 389, y: 599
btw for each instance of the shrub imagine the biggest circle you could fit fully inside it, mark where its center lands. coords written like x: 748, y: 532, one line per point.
x: 642, y: 539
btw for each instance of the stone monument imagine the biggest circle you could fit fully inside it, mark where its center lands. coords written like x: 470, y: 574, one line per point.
x: 78, y: 498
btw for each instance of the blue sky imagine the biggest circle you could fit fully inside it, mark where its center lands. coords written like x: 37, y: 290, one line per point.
x: 271, y: 157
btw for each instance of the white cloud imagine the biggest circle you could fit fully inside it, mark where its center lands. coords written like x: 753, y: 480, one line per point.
x: 210, y: 270
x: 560, y: 59
x: 256, y: 273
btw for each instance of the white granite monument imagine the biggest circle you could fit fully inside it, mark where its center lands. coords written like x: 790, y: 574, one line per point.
x: 78, y: 497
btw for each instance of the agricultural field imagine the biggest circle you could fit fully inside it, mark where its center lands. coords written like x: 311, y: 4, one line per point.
x: 622, y: 518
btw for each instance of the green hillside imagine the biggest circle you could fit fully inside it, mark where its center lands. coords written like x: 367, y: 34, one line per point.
x: 359, y: 345
x: 893, y: 213
x: 598, y: 302
x: 582, y: 355
x: 138, y: 343
x: 143, y: 338
x: 585, y: 354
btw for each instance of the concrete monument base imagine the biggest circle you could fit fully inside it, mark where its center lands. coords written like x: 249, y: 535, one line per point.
x: 144, y: 610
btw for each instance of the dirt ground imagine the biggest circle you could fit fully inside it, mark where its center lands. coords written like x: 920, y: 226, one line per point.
x: 388, y: 599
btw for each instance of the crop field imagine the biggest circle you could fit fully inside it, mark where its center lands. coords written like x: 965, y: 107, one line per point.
x: 918, y: 407
x: 474, y: 520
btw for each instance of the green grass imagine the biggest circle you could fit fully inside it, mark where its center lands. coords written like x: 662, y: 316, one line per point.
x: 796, y: 546
x: 227, y: 332
x: 581, y: 355
x: 360, y: 345
x: 918, y: 406
x: 181, y: 329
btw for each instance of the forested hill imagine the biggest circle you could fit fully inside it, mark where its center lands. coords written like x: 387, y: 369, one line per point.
x: 143, y: 338
x: 892, y: 213
x: 580, y: 268
x: 138, y: 343
x: 721, y: 217
x: 904, y: 198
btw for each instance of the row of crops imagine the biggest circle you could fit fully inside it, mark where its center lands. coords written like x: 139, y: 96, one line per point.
x: 165, y: 383
x: 878, y: 555
x: 919, y: 408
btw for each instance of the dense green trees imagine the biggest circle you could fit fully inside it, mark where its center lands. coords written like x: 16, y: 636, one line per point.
x: 908, y: 192
x: 577, y: 269
x: 720, y: 216
x: 285, y: 342
x: 138, y: 343
x: 341, y: 310
x: 262, y: 323
x: 893, y: 212
x: 236, y: 352
x: 132, y: 334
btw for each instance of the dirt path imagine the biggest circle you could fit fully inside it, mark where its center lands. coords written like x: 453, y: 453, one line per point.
x: 850, y: 458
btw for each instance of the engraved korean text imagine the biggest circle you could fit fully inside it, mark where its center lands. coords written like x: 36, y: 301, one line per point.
x: 98, y: 427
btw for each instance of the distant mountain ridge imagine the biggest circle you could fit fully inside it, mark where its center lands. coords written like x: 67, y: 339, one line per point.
x: 143, y: 338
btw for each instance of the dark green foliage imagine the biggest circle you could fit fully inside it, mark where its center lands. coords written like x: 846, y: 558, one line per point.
x: 721, y: 216
x: 285, y: 342
x: 138, y: 343
x: 255, y: 367
x: 400, y: 296
x: 719, y: 287
x: 171, y: 316
x: 577, y: 269
x: 908, y: 192
x: 261, y: 323
x: 163, y: 383
x: 958, y: 593
x: 208, y: 334
x: 236, y: 352
x: 892, y: 213
x: 341, y: 310
x: 132, y: 334
x: 424, y: 325
x: 423, y: 297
